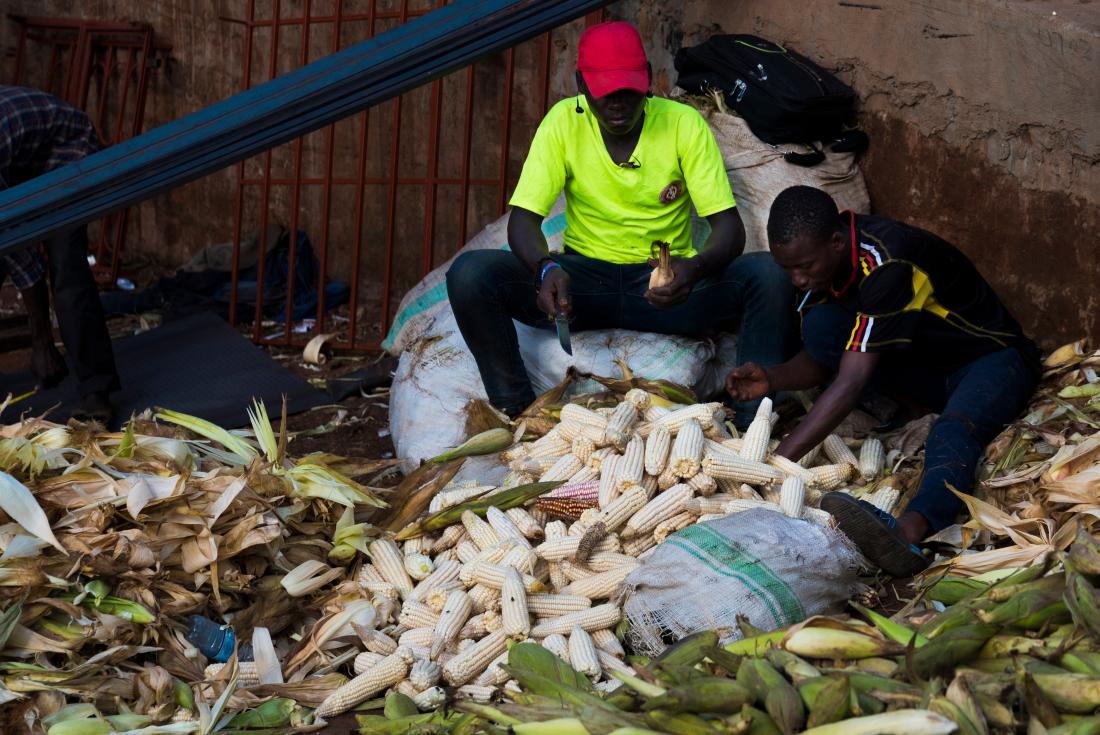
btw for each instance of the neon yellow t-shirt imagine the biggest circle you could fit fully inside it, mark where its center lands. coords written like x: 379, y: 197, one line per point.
x: 613, y: 213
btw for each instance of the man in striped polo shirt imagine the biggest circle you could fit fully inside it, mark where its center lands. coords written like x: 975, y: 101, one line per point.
x: 892, y: 306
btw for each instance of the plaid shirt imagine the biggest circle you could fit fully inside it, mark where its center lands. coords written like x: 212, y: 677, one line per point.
x: 38, y: 133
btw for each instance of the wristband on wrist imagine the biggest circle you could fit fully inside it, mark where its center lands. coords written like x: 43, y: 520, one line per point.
x: 547, y: 264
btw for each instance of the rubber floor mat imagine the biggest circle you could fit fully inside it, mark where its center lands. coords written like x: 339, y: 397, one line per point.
x: 198, y: 365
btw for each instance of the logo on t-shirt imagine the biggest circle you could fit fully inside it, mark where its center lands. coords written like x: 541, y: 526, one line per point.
x: 672, y: 192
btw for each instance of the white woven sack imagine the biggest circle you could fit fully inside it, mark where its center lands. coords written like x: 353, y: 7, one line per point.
x: 758, y: 173
x: 774, y: 570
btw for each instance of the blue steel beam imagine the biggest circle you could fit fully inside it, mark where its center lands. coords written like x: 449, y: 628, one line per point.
x: 273, y: 113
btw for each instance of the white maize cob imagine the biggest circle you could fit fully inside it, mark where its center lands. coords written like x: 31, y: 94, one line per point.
x: 550, y: 444
x: 755, y: 473
x: 703, y: 506
x: 474, y: 629
x: 606, y: 641
x: 638, y: 398
x: 596, y: 461
x: 831, y: 476
x: 418, y: 566
x: 618, y: 429
x: 604, y: 561
x: 655, y: 412
x: 424, y: 674
x: 515, y: 478
x: 582, y: 653
x: 382, y: 675
x: 687, y: 450
x: 378, y: 642
x: 565, y: 547
x: 594, y: 618
x: 555, y: 529
x: 885, y: 498
x: 558, y: 645
x: 248, y: 675
x: 473, y: 693
x: 872, y: 458
x: 521, y: 558
x: 387, y: 558
x: 513, y: 605
x: 639, y: 545
x: 448, y: 498
x: 701, y: 412
x: 584, y: 474
x: 609, y: 480
x: 381, y: 591
x: 622, y: 508
x: 734, y: 445
x: 480, y: 531
x: 548, y: 605
x: 649, y: 484
x: 818, y: 517
x: 467, y: 551
x: 525, y: 522
x: 791, y: 469
x: 494, y: 674
x: 445, y: 571
x: 455, y: 613
x: 599, y: 586
x: 582, y: 448
x: 563, y: 469
x: 472, y: 661
x: 718, y: 432
x: 579, y: 421
x: 420, y: 637
x: 671, y: 525
x: 703, y: 484
x: 667, y: 479
x: 451, y: 535
x: 607, y: 686
x: 665, y: 505
x: 418, y: 545
x: 632, y: 465
x: 492, y: 576
x: 430, y: 699
x: 611, y: 664
x: 809, y: 459
x: 574, y: 571
x: 417, y: 615
x: 368, y: 573
x: 755, y: 445
x: 792, y: 496
x: 504, y: 526
x: 740, y: 505
x: 437, y: 598
x: 657, y: 446
x: 838, y: 451
x: 364, y: 661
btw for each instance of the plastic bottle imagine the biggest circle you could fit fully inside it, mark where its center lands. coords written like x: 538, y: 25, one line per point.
x: 216, y: 641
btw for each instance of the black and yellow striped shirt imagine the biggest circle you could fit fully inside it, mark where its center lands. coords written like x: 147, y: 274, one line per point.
x: 913, y: 290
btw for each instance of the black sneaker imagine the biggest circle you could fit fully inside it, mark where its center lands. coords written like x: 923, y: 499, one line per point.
x: 875, y: 533
x: 94, y: 407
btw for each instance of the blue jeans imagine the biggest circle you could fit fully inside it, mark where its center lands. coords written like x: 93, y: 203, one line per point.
x: 490, y: 288
x: 975, y: 403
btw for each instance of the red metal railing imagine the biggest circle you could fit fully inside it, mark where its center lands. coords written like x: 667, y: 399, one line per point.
x: 395, y: 191
x: 102, y: 68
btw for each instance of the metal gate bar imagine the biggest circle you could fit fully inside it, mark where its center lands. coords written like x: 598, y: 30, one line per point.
x: 259, y: 186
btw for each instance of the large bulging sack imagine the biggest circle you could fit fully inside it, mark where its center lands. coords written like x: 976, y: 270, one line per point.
x: 774, y: 570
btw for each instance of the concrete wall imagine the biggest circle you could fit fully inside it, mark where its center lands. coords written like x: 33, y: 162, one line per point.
x: 984, y: 117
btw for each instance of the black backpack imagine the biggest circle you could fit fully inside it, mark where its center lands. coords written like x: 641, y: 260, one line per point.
x: 783, y: 96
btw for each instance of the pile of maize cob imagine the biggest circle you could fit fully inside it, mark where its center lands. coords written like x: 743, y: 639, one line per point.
x: 1015, y: 652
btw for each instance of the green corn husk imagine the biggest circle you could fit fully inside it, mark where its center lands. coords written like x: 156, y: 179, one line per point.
x: 1081, y: 662
x: 1053, y: 584
x: 951, y: 589
x: 954, y: 617
x: 561, y: 726
x: 1084, y: 554
x: 754, y: 722
x: 830, y: 643
x: 898, y: 722
x: 239, y: 447
x: 272, y: 713
x: 894, y: 631
x: 706, y: 694
x: 832, y: 702
x: 945, y: 707
x: 756, y: 645
x: 487, y: 442
x: 949, y: 649
x: 687, y: 651
x: 1083, y: 602
x: 1074, y: 693
x: 682, y: 723
x: 510, y: 498
x: 399, y: 705
x: 724, y: 659
x: 781, y: 700
x: 793, y: 666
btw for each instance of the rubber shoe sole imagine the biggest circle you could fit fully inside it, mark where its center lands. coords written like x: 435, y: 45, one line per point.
x: 881, y: 544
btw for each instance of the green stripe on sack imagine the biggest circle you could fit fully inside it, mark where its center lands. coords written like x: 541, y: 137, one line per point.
x: 737, y: 562
x: 745, y: 581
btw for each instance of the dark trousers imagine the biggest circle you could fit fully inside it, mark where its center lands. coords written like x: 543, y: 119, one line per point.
x: 975, y: 403
x: 490, y: 288
x: 79, y: 313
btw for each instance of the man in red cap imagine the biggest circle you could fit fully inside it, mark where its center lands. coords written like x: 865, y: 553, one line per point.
x: 632, y: 166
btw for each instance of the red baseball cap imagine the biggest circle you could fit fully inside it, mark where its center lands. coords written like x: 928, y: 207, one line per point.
x: 611, y: 57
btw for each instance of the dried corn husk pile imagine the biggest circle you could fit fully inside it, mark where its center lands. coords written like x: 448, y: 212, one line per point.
x: 112, y: 540
x: 1042, y: 475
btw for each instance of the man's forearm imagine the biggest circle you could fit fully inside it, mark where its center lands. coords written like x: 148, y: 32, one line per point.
x: 725, y: 242
x: 799, y: 373
x: 525, y: 238
x: 830, y: 409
